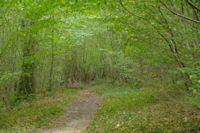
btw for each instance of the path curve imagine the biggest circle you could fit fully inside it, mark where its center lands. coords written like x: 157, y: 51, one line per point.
x: 79, y: 114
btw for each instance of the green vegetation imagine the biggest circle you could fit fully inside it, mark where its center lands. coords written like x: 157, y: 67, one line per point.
x: 50, y: 44
x: 35, y: 113
x: 129, y: 110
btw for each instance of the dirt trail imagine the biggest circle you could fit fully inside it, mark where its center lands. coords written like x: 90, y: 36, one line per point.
x: 79, y: 114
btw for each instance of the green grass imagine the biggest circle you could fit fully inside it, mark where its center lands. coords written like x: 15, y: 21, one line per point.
x: 144, y: 111
x: 113, y: 91
x: 37, y: 113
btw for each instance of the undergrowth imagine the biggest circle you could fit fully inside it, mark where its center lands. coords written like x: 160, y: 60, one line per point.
x: 39, y: 112
x: 144, y: 111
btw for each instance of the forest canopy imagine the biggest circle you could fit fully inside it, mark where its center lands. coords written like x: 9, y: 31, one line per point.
x: 49, y: 44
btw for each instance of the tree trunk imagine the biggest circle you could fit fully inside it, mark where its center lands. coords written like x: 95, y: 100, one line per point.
x: 26, y: 84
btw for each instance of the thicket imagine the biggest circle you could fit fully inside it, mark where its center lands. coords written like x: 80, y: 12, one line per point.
x: 53, y: 44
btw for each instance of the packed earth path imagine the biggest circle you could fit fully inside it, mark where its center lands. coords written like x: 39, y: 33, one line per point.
x: 79, y: 114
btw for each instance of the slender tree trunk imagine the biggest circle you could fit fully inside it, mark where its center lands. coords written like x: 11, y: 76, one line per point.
x: 26, y: 85
x: 52, y: 61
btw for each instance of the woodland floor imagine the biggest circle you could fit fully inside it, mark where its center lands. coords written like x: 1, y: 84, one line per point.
x: 79, y: 114
x: 120, y: 110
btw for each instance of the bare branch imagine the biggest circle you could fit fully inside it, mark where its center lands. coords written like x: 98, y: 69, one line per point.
x: 120, y: 1
x: 177, y: 14
x: 193, y: 5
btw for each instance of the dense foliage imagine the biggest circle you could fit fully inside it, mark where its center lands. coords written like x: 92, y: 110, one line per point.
x: 54, y: 44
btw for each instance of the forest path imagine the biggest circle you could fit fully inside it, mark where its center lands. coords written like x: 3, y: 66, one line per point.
x: 79, y: 114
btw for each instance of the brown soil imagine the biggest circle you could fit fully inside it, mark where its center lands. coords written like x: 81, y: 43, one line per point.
x: 79, y: 114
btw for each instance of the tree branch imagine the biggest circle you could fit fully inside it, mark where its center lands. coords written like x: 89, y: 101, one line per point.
x: 120, y: 1
x: 193, y: 5
x: 177, y: 14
